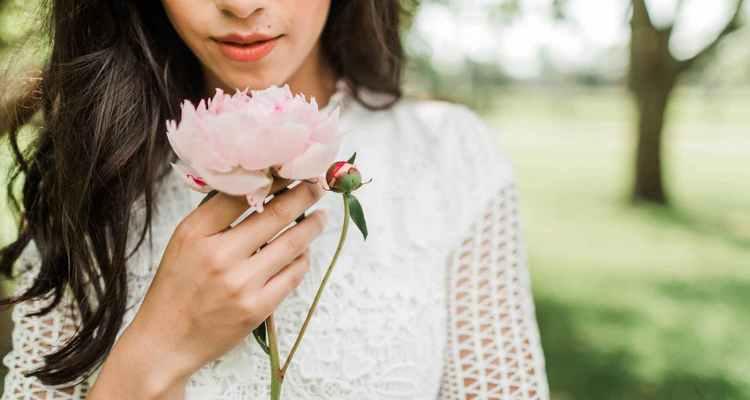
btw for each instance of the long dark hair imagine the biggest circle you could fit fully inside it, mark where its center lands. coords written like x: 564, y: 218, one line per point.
x: 117, y: 70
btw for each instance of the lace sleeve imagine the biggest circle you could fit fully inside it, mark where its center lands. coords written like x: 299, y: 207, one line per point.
x: 494, y: 351
x: 34, y: 337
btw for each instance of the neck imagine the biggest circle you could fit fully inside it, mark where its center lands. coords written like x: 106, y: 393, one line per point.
x: 315, y: 79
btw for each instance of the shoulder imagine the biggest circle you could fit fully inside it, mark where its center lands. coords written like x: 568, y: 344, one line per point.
x: 439, y: 119
x: 445, y: 154
x: 430, y: 119
x: 436, y: 119
x: 461, y: 140
x: 448, y: 138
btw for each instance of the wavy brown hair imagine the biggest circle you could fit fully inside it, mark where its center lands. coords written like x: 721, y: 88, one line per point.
x: 117, y: 70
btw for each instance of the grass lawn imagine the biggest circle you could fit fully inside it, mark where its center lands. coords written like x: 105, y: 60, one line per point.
x: 635, y: 303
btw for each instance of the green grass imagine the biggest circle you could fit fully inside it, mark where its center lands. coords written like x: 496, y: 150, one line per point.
x: 635, y: 303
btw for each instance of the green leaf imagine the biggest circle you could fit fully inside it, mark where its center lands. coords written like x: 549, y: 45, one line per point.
x: 260, y: 337
x: 357, y: 214
x: 351, y: 159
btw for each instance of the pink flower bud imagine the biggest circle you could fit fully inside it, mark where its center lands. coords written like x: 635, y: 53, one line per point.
x: 343, y: 177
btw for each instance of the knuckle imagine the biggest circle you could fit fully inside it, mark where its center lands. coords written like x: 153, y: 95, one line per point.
x: 312, y: 192
x: 186, y: 230
x: 213, y: 270
x: 255, y: 277
x: 293, y: 244
x: 231, y: 284
x: 277, y: 211
x: 295, y: 280
x: 248, y: 304
x: 251, y: 310
x: 215, y: 261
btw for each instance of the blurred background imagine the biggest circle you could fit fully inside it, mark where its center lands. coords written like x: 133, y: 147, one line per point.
x: 628, y: 122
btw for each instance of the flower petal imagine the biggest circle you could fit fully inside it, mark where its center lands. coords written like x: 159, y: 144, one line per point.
x: 237, y: 182
x: 192, y: 178
x: 271, y: 145
x: 256, y: 198
x: 313, y: 162
x: 197, y: 141
x: 172, y: 138
x: 327, y: 131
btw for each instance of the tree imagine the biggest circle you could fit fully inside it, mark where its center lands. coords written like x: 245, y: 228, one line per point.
x: 653, y: 73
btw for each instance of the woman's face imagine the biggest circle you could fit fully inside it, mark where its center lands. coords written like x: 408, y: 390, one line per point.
x: 221, y: 34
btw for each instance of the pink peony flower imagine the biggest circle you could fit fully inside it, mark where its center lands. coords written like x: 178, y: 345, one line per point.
x: 237, y: 144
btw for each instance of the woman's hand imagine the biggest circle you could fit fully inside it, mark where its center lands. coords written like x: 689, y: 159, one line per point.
x: 212, y: 288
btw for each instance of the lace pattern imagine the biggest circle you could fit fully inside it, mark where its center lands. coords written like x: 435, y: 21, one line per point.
x: 34, y: 337
x: 435, y: 304
x: 494, y: 350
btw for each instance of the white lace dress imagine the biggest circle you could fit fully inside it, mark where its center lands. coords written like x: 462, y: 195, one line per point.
x: 436, y: 304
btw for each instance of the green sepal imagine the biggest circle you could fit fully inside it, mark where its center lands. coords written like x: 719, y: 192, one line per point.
x: 349, y: 183
x: 357, y: 214
x: 260, y: 336
x: 351, y: 159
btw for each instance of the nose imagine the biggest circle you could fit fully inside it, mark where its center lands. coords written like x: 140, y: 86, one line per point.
x: 239, y: 8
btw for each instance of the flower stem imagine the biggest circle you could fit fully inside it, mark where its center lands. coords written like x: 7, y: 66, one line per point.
x: 314, y: 305
x: 276, y: 374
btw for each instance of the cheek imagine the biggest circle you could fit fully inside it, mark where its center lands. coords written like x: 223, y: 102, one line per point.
x: 309, y: 19
x: 189, y: 18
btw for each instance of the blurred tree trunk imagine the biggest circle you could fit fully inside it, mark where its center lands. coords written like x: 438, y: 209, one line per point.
x: 653, y: 74
x: 649, y: 180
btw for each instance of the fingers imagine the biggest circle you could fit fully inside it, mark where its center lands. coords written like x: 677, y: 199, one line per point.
x: 283, y: 250
x: 258, y: 228
x: 279, y: 287
x: 217, y: 214
x: 280, y: 184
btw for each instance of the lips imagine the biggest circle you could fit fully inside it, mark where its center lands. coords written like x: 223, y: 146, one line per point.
x: 239, y: 39
x: 246, y: 48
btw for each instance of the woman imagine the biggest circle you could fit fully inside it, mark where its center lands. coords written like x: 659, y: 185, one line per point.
x: 436, y: 303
